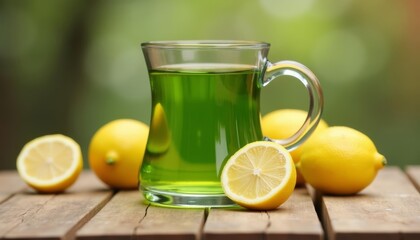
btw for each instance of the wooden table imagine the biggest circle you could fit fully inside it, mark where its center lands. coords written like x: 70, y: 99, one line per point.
x: 388, y: 209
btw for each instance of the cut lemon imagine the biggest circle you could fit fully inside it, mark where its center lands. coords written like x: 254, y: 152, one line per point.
x: 259, y: 176
x: 50, y: 163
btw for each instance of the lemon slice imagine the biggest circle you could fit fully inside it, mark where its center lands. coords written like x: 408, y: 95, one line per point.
x: 259, y: 176
x: 50, y: 163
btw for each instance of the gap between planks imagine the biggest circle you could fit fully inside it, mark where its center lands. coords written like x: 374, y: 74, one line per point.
x: 202, y: 224
x: 389, y: 208
x: 413, y: 173
x: 295, y: 219
x: 29, y: 215
x: 126, y: 216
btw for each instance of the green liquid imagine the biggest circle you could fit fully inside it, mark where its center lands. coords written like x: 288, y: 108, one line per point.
x: 201, y: 115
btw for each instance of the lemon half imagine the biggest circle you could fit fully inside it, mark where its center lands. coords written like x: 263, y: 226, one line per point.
x: 259, y: 176
x: 50, y: 163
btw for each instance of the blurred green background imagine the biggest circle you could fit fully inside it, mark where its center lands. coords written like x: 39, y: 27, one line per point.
x: 71, y: 66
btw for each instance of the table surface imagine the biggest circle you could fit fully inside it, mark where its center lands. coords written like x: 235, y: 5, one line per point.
x: 388, y: 209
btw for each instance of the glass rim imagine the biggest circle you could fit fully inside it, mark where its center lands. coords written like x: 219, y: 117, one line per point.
x: 196, y: 44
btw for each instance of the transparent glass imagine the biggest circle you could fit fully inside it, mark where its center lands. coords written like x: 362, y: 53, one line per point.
x: 205, y: 106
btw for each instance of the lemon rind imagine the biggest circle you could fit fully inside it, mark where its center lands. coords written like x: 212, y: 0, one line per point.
x: 74, y: 167
x: 238, y: 198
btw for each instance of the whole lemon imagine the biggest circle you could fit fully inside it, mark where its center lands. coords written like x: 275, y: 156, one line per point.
x: 340, y: 160
x: 283, y: 123
x: 116, y: 152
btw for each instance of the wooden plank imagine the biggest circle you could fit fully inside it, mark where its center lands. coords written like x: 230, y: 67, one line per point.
x: 126, y: 216
x: 295, y: 219
x: 388, y: 209
x: 413, y: 173
x: 10, y: 183
x: 229, y: 224
x: 29, y: 215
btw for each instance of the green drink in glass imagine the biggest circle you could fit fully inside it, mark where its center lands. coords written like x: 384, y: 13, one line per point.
x: 205, y: 106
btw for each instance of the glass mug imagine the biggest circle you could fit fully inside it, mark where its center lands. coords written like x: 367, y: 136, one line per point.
x: 206, y: 106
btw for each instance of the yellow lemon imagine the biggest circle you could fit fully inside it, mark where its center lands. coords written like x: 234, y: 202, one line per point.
x: 283, y: 123
x: 260, y: 176
x: 340, y: 160
x: 50, y: 163
x: 116, y: 152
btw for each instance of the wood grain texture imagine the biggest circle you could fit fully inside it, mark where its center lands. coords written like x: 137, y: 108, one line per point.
x: 388, y: 209
x: 10, y: 183
x: 126, y: 216
x: 413, y: 173
x: 295, y: 219
x: 238, y: 223
x: 29, y: 215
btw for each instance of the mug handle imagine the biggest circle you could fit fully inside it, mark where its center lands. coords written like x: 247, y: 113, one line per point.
x: 316, y: 99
